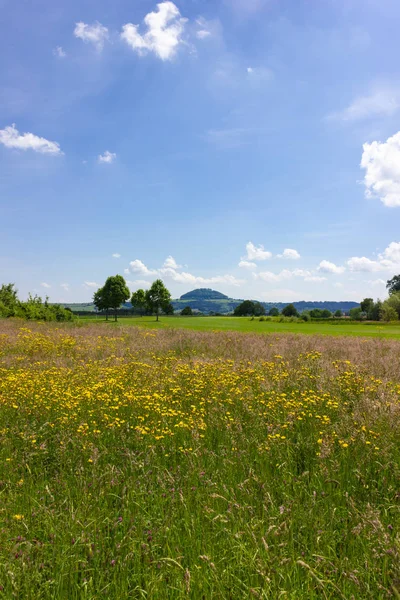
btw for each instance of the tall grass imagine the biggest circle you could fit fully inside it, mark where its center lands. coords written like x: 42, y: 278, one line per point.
x: 177, y: 464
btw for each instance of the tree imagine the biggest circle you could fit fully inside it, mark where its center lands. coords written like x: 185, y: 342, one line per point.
x: 393, y: 285
x: 290, y: 311
x: 158, y: 297
x: 388, y: 313
x: 274, y: 312
x: 245, y: 309
x: 394, y: 302
x: 367, y: 306
x: 259, y: 310
x: 356, y: 314
x: 115, y: 292
x: 138, y: 301
x: 100, y: 301
x: 186, y: 312
x: 338, y: 313
x: 375, y: 314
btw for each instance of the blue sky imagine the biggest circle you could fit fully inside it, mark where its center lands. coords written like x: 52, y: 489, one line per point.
x: 251, y: 146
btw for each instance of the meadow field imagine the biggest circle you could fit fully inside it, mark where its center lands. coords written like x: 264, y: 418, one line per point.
x: 247, y: 325
x: 171, y: 464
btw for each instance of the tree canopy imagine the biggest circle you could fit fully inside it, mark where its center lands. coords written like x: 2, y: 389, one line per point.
x: 290, y: 311
x: 393, y: 285
x: 138, y: 301
x: 114, y: 293
x: 158, y: 298
x: 249, y: 308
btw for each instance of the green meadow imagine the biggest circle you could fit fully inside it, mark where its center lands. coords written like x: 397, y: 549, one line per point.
x: 244, y: 324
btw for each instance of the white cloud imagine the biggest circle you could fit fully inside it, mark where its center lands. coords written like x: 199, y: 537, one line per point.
x: 256, y: 253
x: 338, y: 284
x: 116, y: 255
x: 270, y: 277
x: 65, y: 286
x: 314, y: 279
x: 139, y: 283
x: 91, y: 284
x: 290, y: 254
x: 164, y: 32
x: 126, y: 271
x: 136, y: 266
x: 107, y: 157
x: 95, y: 34
x: 380, y: 102
x: 328, y: 267
x: 45, y: 285
x: 390, y: 257
x: 204, y: 30
x: 58, y: 51
x: 245, y: 264
x: 182, y: 277
x: 11, y: 138
x: 381, y: 162
x: 170, y: 262
x: 364, y: 264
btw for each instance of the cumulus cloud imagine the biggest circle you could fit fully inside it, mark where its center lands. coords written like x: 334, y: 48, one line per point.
x: 329, y: 267
x: 182, y: 277
x: 116, y: 255
x: 245, y: 264
x: 390, y: 257
x: 95, y: 34
x: 164, y: 32
x: 11, y: 138
x: 381, y: 161
x: 290, y: 254
x: 362, y: 263
x: 107, y: 157
x: 59, y: 52
x: 256, y: 252
x: 170, y: 262
x: 383, y: 102
x: 45, y: 285
x: 136, y: 266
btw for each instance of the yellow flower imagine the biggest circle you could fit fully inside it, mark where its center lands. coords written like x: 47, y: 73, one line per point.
x: 19, y: 517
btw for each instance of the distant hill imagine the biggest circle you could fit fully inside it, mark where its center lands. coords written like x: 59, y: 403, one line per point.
x: 204, y: 294
x: 208, y: 301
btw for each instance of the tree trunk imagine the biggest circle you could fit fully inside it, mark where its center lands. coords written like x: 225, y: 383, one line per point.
x: 115, y: 315
x: 157, y: 313
x: 106, y: 314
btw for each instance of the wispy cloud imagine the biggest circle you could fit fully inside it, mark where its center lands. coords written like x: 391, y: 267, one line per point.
x: 116, y: 255
x: 45, y: 285
x: 384, y: 102
x: 59, y: 52
x: 95, y: 34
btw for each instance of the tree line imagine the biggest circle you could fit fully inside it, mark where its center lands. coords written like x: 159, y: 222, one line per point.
x: 115, y: 292
x: 34, y: 308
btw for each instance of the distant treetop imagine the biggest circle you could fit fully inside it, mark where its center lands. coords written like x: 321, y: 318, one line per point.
x: 204, y: 294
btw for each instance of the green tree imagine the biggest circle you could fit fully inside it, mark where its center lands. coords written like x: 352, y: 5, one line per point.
x: 101, y: 301
x: 138, y: 301
x: 326, y: 314
x: 244, y: 309
x: 259, y: 310
x: 393, y: 285
x: 115, y: 293
x: 158, y: 298
x: 356, y: 314
x: 338, y: 313
x: 274, y: 312
x: 375, y: 314
x: 367, y: 306
x: 186, y: 312
x: 394, y: 302
x: 388, y: 313
x: 290, y: 311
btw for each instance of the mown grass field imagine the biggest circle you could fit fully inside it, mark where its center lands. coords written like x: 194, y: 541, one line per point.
x: 335, y: 327
x: 177, y: 464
